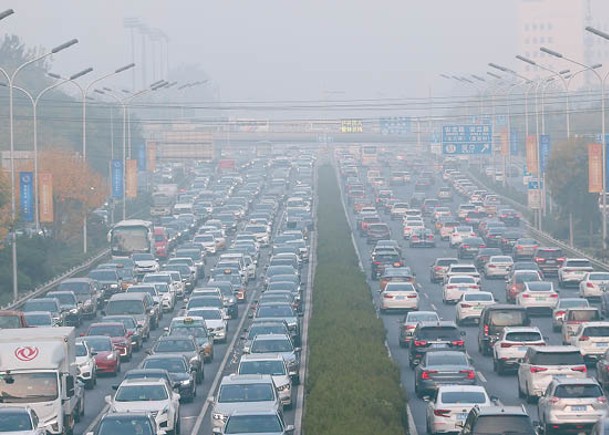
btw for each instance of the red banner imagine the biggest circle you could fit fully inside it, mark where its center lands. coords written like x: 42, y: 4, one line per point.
x: 595, y: 168
x: 505, y: 143
x: 45, y: 197
x: 131, y: 175
x: 532, y: 160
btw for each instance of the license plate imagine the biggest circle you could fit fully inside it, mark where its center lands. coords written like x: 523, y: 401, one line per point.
x: 462, y: 416
x: 579, y: 408
x: 439, y: 345
x: 399, y: 298
x: 560, y: 376
x: 523, y: 349
x: 540, y: 299
x: 478, y: 308
x: 601, y: 344
x: 550, y: 262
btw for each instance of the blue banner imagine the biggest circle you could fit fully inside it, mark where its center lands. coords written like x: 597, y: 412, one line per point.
x: 544, y: 151
x: 514, y: 142
x: 118, y: 181
x: 26, y: 193
x: 141, y: 157
x: 395, y: 126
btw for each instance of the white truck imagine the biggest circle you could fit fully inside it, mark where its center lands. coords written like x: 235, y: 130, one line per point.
x: 38, y: 368
x: 163, y: 199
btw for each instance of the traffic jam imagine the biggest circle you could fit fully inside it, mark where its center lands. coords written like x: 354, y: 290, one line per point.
x: 193, y: 325
x: 493, y: 331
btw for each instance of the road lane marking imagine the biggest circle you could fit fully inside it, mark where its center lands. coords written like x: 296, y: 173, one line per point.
x: 482, y: 378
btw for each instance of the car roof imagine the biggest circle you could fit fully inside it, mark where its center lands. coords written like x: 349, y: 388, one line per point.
x: 245, y: 379
x: 442, y: 323
x: 503, y: 410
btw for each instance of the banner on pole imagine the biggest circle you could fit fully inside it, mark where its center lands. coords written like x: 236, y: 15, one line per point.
x: 544, y: 151
x: 504, y: 141
x: 151, y: 156
x: 131, y: 181
x: 514, y: 142
x: 595, y: 168
x: 26, y: 195
x: 45, y: 197
x: 141, y: 157
x: 531, y: 150
x: 117, y: 179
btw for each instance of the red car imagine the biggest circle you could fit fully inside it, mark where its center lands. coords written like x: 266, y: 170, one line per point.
x: 119, y: 335
x: 107, y: 357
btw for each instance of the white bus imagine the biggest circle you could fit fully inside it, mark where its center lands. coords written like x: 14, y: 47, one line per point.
x: 130, y: 236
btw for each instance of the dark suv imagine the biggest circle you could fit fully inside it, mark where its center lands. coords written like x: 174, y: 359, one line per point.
x: 549, y: 260
x: 496, y: 317
x: 385, y: 259
x: 498, y: 420
x: 378, y: 231
x: 434, y: 335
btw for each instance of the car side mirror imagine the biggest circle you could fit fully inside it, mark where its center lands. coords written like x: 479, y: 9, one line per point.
x: 290, y: 428
x: 108, y: 399
x: 297, y: 349
x: 166, y: 329
x: 115, y: 387
x: 211, y: 399
x: 494, y: 399
x: 426, y: 398
x: 460, y: 424
x: 93, y: 353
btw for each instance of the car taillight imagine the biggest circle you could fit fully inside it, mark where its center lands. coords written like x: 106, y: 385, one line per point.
x: 412, y: 296
x: 535, y: 369
x: 486, y: 330
x: 560, y: 259
x: 506, y: 345
x: 388, y: 296
x: 524, y: 295
x: 554, y: 295
x: 473, y: 286
x: 409, y: 327
x: 419, y: 343
x: 451, y: 287
x: 470, y: 374
x: 554, y: 400
x: 377, y: 263
x: 425, y: 374
x: 466, y: 305
x: 560, y: 313
x: 581, y: 369
x: 589, y: 285
x: 492, y: 266
x: 465, y: 246
x: 437, y: 268
x: 441, y: 412
x: 584, y: 338
x: 601, y: 399
x: 457, y: 342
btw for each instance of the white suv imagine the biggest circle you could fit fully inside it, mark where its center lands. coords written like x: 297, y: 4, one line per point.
x: 592, y: 339
x: 512, y: 345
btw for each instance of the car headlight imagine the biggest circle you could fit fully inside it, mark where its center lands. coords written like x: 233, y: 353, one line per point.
x: 219, y: 417
x: 185, y: 382
x: 74, y: 311
x: 88, y: 303
x: 113, y: 285
x: 194, y: 360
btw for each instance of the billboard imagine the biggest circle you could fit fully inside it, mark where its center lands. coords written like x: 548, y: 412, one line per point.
x: 467, y: 139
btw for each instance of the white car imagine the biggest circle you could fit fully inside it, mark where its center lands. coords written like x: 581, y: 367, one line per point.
x: 471, y: 304
x: 592, y: 339
x: 145, y: 263
x: 538, y: 295
x: 399, y: 296
x: 398, y: 210
x: 456, y: 286
x: 273, y: 365
x: 447, y: 411
x: 168, y: 297
x: 85, y: 364
x: 207, y: 242
x: 411, y: 226
x: 21, y: 420
x: 459, y: 233
x: 512, y: 345
x: 594, y: 285
x: 558, y: 314
x: 148, y: 395
x: 573, y: 270
x: 216, y: 321
x: 498, y: 266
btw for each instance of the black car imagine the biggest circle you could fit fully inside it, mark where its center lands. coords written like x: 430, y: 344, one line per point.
x: 549, y: 259
x: 474, y: 218
x: 434, y: 335
x: 385, y: 259
x: 498, y: 420
x: 508, y: 239
x: 469, y: 247
x: 509, y: 217
x: 483, y: 256
x: 180, y: 371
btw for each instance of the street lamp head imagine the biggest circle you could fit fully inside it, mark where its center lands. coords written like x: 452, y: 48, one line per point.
x: 157, y: 83
x: 99, y: 91
x: 465, y: 79
x: 499, y: 67
x: 6, y: 13
x: 107, y: 89
x: 551, y: 52
x: 598, y: 32
x: 481, y: 79
x: 596, y: 66
x: 564, y: 71
x: 493, y: 75
x: 64, y: 46
x: 55, y: 76
x: 526, y: 59
x: 81, y: 73
x: 124, y: 68
x: 444, y: 76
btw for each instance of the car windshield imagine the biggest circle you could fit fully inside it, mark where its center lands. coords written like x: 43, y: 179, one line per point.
x: 578, y: 391
x: 557, y: 358
x: 478, y: 297
x: 503, y: 425
x: 76, y: 287
x: 573, y: 303
x: 583, y: 315
x: 142, y: 257
x: 17, y: 421
x: 540, y: 286
x: 526, y: 277
x: 174, y: 346
x: 81, y: 350
x: 507, y: 317
x: 523, y: 336
x: 33, y: 320
x: 157, y: 278
x: 242, y: 424
x: 596, y: 331
x: 438, y: 333
x: 264, y: 346
x: 461, y: 280
x: 11, y: 322
x: 208, y: 314
x: 578, y: 263
x: 272, y: 367
x: 104, y: 275
x: 109, y: 330
x: 129, y: 322
x: 599, y: 276
x: 266, y: 329
x: 172, y: 365
x: 99, y: 345
x: 40, y: 305
x: 421, y: 317
x: 246, y: 393
x: 275, y: 311
x: 458, y: 397
x: 125, y: 426
x: 446, y: 359
x: 141, y: 393
x: 125, y: 307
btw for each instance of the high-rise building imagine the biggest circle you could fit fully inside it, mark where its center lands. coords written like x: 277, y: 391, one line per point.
x: 560, y: 25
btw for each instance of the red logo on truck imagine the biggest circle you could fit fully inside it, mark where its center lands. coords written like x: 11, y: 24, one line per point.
x: 26, y: 353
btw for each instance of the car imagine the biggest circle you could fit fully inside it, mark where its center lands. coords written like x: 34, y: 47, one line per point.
x: 442, y: 367
x: 180, y: 371
x: 512, y: 345
x: 469, y: 247
x: 508, y: 240
x: 21, y: 420
x: 263, y: 326
x: 438, y: 269
x: 484, y: 255
x: 446, y: 228
x: 571, y: 405
x: 456, y: 286
x: 195, y: 327
x: 279, y: 344
x: 117, y: 332
x: 493, y: 319
x: 573, y: 271
x: 376, y: 232
x: 382, y: 259
x: 593, y: 285
x: 470, y: 306
x: 46, y: 304
x: 450, y: 405
x: 398, y: 296
x: 243, y: 393
x: 87, y: 292
x: 126, y: 423
x: 273, y: 365
x: 411, y: 226
x: 541, y: 364
x: 538, y: 296
x: 509, y: 217
x: 497, y: 420
x: 561, y: 308
x: 433, y: 335
x: 148, y: 395
x: 574, y: 317
x: 38, y: 319
x: 216, y: 321
x: 134, y: 331
x: 462, y: 269
x: 549, y: 259
x: 410, y: 321
x: 516, y: 281
x: 246, y: 423
x: 459, y: 233
x: 86, y: 369
x: 396, y: 274
x: 107, y: 357
x: 283, y: 311
x: 498, y: 266
x: 184, y: 345
x: 422, y: 238
x: 152, y: 374
x: 524, y: 247
x: 592, y: 339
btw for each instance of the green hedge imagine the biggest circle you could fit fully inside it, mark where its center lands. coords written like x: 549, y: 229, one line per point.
x: 353, y: 387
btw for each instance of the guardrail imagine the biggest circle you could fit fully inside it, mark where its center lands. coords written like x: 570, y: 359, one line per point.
x: 540, y: 235
x: 56, y: 280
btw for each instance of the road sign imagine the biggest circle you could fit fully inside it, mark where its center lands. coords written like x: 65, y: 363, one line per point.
x: 351, y: 126
x: 467, y: 139
x: 395, y: 126
x: 535, y: 184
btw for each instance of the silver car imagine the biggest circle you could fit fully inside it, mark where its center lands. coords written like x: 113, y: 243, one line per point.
x: 571, y: 404
x: 279, y: 344
x: 451, y: 404
x: 273, y: 365
x: 251, y: 422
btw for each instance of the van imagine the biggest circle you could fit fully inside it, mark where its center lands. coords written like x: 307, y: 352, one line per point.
x: 138, y: 305
x: 494, y: 318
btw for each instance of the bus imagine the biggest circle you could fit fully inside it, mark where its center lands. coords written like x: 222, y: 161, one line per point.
x: 130, y: 236
x: 369, y: 156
